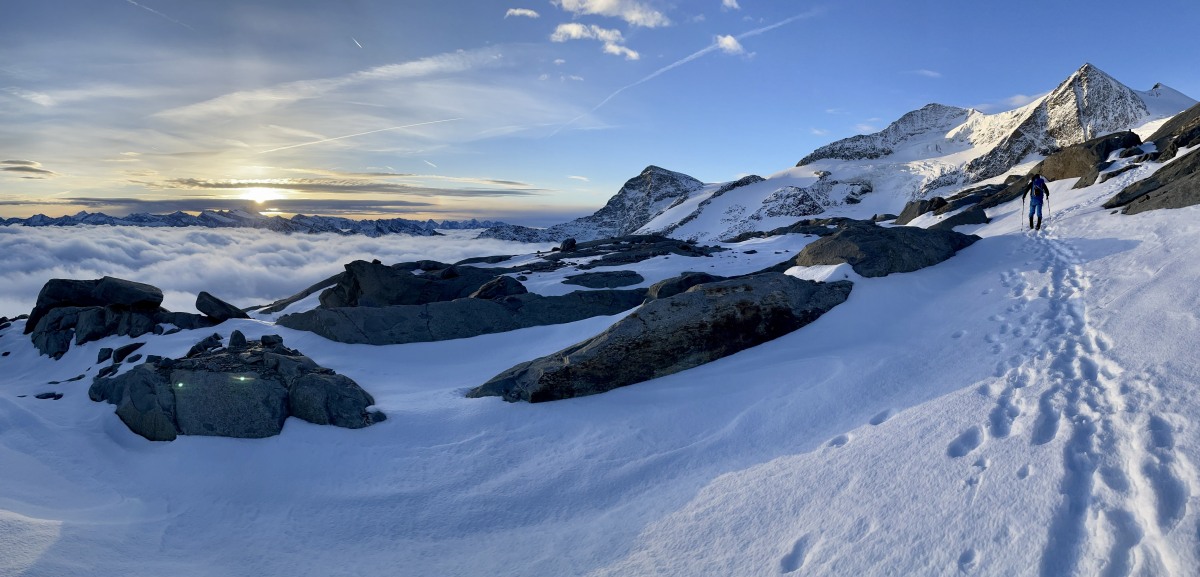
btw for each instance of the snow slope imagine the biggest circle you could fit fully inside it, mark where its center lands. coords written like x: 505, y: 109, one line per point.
x: 1026, y: 408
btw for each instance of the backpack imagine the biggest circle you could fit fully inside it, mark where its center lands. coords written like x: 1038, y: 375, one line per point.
x: 1039, y: 188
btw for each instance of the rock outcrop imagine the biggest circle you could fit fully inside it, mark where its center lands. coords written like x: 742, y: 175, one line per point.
x: 88, y: 310
x: 245, y: 392
x: 1087, y: 159
x: 605, y: 279
x: 874, y: 251
x: 1176, y: 185
x: 667, y: 335
x: 460, y: 318
x: 217, y: 309
x: 371, y: 284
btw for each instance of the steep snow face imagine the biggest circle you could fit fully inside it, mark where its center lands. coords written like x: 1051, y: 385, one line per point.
x: 932, y: 119
x: 1163, y: 101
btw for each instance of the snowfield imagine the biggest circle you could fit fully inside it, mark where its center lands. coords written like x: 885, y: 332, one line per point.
x: 1027, y: 407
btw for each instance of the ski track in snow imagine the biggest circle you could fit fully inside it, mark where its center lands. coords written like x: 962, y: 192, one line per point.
x: 1124, y: 487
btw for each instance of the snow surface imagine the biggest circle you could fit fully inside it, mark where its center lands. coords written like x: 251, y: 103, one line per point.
x: 1027, y: 407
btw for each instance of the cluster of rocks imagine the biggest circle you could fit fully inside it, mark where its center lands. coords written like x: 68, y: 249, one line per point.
x: 87, y: 310
x: 246, y: 389
x: 1177, y: 184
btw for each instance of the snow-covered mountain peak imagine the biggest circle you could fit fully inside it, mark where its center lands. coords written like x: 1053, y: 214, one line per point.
x: 931, y: 119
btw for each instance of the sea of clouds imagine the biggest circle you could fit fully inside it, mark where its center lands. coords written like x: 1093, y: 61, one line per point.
x: 242, y: 266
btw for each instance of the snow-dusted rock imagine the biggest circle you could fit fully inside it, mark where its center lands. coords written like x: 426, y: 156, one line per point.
x: 875, y: 251
x: 217, y: 309
x: 668, y: 335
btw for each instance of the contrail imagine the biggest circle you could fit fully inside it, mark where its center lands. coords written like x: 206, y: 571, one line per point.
x: 147, y: 8
x: 359, y: 134
x: 685, y: 60
x: 356, y: 41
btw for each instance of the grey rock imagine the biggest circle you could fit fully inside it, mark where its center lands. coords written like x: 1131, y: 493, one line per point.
x: 1181, y: 131
x: 331, y: 400
x: 606, y: 279
x: 229, y: 404
x: 280, y: 305
x: 460, y: 318
x: 501, y: 286
x: 109, y: 371
x: 121, y: 353
x: 54, y: 331
x: 269, y: 341
x: 673, y: 286
x: 106, y: 291
x: 884, y: 217
x: 209, y: 343
x: 874, y: 251
x: 104, y: 355
x: 374, y: 285
x: 1176, y: 185
x: 134, y: 358
x: 237, y: 340
x: 669, y: 335
x: 973, y: 215
x: 217, y: 309
x: 1085, y: 160
x: 568, y: 245
x: 48, y: 396
x: 916, y: 208
x: 248, y: 393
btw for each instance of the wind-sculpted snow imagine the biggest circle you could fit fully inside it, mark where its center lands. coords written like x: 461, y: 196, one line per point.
x: 245, y: 266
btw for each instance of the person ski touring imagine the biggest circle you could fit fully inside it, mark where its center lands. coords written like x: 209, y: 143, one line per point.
x: 1038, y: 192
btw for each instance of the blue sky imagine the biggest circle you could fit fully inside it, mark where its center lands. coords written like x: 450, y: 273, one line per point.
x: 529, y: 111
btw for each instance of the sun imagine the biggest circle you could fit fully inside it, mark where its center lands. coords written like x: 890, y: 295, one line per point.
x: 260, y: 194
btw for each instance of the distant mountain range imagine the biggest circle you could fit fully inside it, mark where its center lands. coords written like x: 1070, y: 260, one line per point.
x: 242, y: 219
x: 932, y: 151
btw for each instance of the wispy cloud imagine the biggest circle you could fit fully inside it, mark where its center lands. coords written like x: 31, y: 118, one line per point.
x: 632, y: 11
x: 333, y: 187
x: 356, y: 42
x: 1018, y: 100
x: 927, y: 73
x: 248, y: 102
x: 522, y: 13
x: 682, y: 61
x: 26, y: 169
x: 429, y: 163
x: 160, y: 14
x: 866, y: 128
x: 614, y: 42
x: 818, y: 131
x: 730, y: 5
x: 324, y: 140
x: 583, y: 178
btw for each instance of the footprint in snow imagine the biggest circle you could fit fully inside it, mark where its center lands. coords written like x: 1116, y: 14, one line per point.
x: 839, y: 441
x: 968, y: 560
x: 881, y: 417
x: 966, y: 442
x: 798, y: 556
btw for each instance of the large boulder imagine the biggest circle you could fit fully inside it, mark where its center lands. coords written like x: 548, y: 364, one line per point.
x: 669, y: 335
x: 973, y: 215
x: 1087, y: 159
x: 1181, y: 131
x: 1176, y: 185
x: 501, y: 286
x: 119, y: 294
x: 371, y: 284
x: 916, y: 208
x: 874, y: 251
x: 247, y: 392
x: 217, y: 309
x: 459, y: 318
x: 675, y: 285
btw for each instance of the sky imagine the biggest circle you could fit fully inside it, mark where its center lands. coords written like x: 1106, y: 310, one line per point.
x: 532, y: 112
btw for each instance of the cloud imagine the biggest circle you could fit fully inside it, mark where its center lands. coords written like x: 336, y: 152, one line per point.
x: 927, y: 73
x: 818, y: 131
x: 866, y: 128
x: 583, y: 178
x: 243, y: 266
x: 160, y: 14
x: 632, y: 11
x: 346, y: 186
x: 26, y: 168
x: 1018, y: 100
x: 39, y: 98
x: 559, y: 61
x: 21, y: 162
x: 730, y: 45
x: 429, y: 163
x: 612, y: 39
x: 522, y: 12
x: 730, y: 5
x: 256, y: 101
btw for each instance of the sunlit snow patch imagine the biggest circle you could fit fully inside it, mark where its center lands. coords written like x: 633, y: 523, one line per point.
x: 825, y: 272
